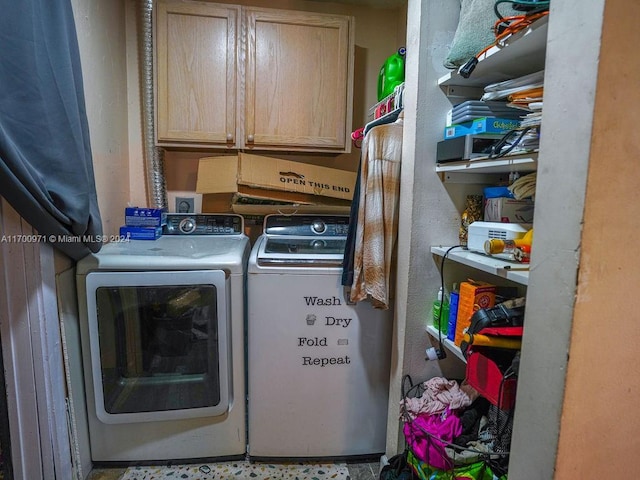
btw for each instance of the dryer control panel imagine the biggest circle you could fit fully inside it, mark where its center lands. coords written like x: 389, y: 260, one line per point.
x: 203, y: 224
x: 307, y: 225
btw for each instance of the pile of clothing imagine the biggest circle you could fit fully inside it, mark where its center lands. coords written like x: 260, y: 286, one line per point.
x: 449, y: 428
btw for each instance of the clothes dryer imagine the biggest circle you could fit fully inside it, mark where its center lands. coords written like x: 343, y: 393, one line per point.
x: 318, y: 365
x: 162, y: 334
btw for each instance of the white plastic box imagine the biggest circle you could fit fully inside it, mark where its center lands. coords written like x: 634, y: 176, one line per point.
x: 479, y: 232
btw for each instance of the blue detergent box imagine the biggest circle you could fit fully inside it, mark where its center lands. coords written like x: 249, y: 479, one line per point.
x: 453, y: 314
x: 127, y: 232
x: 481, y: 125
x: 145, y: 217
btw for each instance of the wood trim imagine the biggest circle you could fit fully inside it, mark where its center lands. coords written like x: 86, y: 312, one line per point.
x: 249, y: 50
x: 32, y: 355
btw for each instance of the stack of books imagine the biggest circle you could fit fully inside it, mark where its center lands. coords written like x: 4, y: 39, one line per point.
x: 475, y: 117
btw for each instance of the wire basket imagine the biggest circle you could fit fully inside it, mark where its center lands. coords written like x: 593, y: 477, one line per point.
x: 436, y: 453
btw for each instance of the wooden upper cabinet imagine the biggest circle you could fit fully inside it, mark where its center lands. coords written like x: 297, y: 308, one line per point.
x: 196, y: 73
x: 252, y: 78
x: 298, y: 80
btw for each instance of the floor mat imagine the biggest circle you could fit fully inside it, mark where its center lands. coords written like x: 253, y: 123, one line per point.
x: 240, y: 471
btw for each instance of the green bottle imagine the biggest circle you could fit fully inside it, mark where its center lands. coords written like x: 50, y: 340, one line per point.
x: 440, y: 312
x: 391, y: 73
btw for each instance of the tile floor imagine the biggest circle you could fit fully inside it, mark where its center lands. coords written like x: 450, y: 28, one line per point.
x: 357, y: 471
x: 363, y: 471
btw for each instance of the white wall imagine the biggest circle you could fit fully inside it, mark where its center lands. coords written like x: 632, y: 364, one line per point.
x: 102, y: 38
x: 105, y: 53
x: 428, y: 215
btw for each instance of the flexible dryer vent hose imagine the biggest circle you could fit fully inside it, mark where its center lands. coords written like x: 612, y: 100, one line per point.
x: 153, y: 156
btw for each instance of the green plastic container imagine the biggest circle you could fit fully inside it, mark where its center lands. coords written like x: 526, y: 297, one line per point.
x: 391, y: 73
x: 440, y: 313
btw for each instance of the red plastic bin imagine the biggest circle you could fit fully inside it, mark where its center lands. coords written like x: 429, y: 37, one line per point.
x: 485, y: 375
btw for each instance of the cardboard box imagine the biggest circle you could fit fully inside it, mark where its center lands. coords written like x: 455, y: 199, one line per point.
x: 508, y: 210
x: 473, y: 296
x: 262, y: 210
x: 253, y: 179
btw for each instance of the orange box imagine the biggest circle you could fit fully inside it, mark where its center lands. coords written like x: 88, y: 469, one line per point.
x: 473, y: 296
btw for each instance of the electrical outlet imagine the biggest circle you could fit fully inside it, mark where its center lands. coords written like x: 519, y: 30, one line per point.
x: 185, y: 205
x: 184, y: 201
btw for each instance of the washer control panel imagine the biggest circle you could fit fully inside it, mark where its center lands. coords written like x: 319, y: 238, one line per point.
x: 203, y: 224
x: 307, y: 225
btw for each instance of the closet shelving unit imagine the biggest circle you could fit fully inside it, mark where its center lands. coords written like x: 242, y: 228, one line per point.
x: 487, y: 170
x: 491, y: 265
x: 567, y: 160
x: 394, y: 99
x: 392, y: 103
x: 494, y: 266
x: 520, y: 54
x: 527, y: 162
x: 517, y: 55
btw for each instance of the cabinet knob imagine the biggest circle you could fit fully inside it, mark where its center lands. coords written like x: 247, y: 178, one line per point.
x: 230, y: 137
x: 250, y: 138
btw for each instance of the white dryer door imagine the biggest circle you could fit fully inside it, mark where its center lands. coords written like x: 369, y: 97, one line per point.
x: 159, y: 344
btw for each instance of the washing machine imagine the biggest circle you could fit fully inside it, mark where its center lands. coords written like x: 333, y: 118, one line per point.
x: 318, y: 365
x: 162, y: 327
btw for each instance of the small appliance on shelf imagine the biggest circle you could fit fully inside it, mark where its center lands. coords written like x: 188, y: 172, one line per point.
x: 491, y: 238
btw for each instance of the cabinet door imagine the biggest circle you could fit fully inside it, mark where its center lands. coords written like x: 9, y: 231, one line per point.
x: 299, y: 80
x: 196, y: 71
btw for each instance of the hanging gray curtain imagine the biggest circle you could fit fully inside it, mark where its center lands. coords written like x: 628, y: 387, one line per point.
x: 46, y: 170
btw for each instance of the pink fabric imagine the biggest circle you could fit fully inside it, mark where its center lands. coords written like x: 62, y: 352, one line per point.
x: 428, y: 435
x: 439, y: 395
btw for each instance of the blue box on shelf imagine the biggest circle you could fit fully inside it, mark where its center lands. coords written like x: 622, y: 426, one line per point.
x: 145, y: 217
x: 453, y: 314
x: 481, y: 125
x: 127, y: 232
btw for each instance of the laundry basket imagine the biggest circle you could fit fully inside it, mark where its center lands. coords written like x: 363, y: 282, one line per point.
x: 431, y: 440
